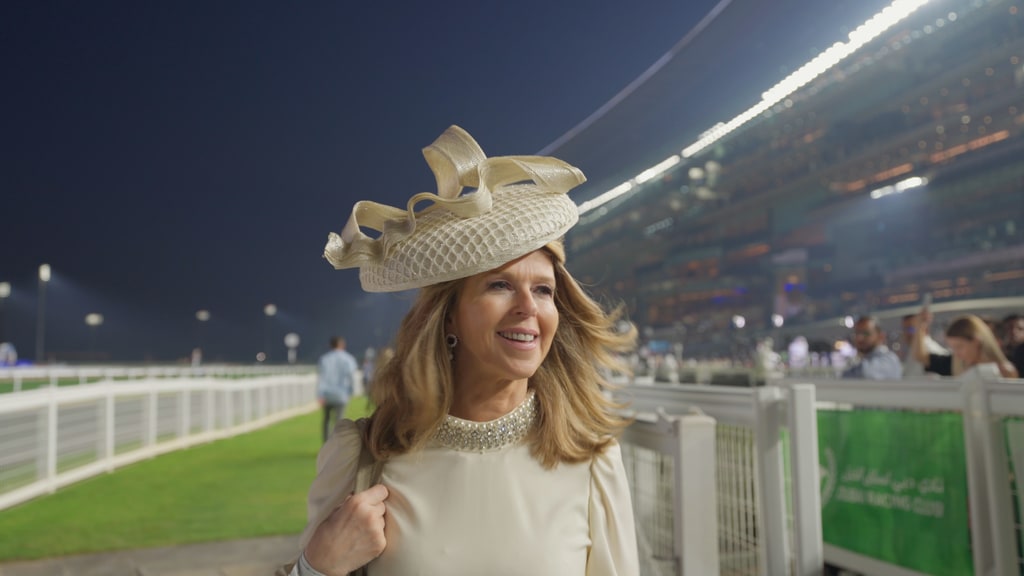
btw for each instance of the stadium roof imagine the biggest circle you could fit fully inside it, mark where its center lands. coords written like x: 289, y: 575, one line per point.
x: 716, y: 71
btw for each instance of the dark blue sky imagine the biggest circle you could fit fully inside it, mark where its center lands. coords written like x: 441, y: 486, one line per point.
x: 167, y: 157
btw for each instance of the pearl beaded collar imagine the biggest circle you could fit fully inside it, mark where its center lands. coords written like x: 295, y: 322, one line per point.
x: 469, y: 436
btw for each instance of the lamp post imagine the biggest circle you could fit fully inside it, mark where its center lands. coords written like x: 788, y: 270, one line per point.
x: 202, y: 317
x: 44, y: 279
x: 291, y: 341
x: 269, y: 311
x: 93, y: 321
x: 5, y: 291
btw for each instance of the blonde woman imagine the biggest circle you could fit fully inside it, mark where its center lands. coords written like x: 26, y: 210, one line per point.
x: 975, y: 351
x: 494, y: 441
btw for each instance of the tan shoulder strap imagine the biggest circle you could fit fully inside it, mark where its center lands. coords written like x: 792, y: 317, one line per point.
x: 369, y: 471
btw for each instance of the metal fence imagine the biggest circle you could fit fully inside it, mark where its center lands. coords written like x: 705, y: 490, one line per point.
x: 770, y: 479
x: 670, y: 465
x: 765, y: 489
x: 55, y: 436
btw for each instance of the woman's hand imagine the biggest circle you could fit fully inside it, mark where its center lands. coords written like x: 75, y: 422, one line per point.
x: 923, y: 320
x: 918, y: 348
x: 352, y: 535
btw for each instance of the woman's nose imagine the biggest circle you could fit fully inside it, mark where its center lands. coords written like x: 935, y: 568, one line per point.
x: 525, y: 304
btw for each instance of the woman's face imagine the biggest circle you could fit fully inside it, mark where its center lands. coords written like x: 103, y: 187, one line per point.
x: 967, y: 351
x: 505, y: 320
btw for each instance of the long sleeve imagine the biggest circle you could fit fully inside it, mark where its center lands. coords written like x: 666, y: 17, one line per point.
x: 613, y: 550
x: 336, y: 468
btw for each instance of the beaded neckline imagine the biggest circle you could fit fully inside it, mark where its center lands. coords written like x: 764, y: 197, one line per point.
x: 469, y: 436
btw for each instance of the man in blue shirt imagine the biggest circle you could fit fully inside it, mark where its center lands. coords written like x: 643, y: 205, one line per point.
x: 335, y: 378
x: 876, y: 361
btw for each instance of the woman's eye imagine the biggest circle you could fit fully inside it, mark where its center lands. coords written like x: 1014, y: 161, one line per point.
x: 545, y: 290
x: 500, y: 285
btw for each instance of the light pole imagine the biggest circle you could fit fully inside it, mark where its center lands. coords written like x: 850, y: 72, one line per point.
x: 269, y: 311
x: 44, y: 279
x: 202, y: 317
x: 291, y: 341
x: 5, y: 291
x: 93, y: 321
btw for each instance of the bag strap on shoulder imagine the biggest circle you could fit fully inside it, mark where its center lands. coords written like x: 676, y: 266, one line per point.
x: 369, y: 472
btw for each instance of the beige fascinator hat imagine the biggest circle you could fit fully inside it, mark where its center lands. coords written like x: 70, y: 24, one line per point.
x: 519, y: 204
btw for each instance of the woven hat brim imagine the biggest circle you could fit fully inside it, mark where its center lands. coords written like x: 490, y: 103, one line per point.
x: 446, y: 247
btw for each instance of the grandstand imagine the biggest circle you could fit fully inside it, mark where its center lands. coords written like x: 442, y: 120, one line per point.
x: 894, y: 173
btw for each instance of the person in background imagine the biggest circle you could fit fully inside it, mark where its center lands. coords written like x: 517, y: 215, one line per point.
x: 367, y: 369
x: 493, y: 441
x: 874, y: 359
x: 975, y: 351
x: 939, y: 361
x: 335, y: 378
x: 1013, y: 340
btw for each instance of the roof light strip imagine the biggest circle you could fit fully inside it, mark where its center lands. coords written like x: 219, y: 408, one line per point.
x: 866, y: 32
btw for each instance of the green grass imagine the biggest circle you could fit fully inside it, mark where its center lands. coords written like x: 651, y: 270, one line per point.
x: 243, y: 487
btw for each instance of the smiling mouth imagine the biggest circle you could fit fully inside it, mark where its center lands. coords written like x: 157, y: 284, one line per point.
x: 517, y: 336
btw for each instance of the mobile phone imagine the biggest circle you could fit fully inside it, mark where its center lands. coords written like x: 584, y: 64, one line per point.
x: 926, y: 300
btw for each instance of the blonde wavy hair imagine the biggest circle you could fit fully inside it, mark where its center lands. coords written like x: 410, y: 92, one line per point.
x: 974, y: 329
x: 414, y: 391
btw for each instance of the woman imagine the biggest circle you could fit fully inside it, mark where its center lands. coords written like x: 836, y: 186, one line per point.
x: 975, y: 351
x: 975, y: 348
x: 495, y: 437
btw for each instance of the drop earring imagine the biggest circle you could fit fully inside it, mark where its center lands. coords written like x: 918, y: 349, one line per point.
x: 451, y: 340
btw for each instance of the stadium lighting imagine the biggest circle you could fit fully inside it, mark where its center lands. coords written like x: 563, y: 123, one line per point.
x: 269, y: 311
x: 839, y: 51
x: 291, y: 342
x: 657, y: 169
x: 202, y: 315
x: 899, y: 187
x: 817, y: 66
x: 5, y: 291
x: 44, y: 279
x: 93, y: 321
x: 606, y: 197
x: 646, y: 175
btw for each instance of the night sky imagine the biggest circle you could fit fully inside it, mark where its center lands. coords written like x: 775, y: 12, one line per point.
x: 175, y: 156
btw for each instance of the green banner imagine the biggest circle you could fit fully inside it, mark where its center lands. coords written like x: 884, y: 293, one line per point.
x: 894, y: 488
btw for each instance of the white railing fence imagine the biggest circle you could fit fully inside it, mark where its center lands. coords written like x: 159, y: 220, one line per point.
x: 55, y: 436
x: 670, y: 465
x: 889, y: 478
x: 764, y: 436
x: 22, y: 378
x: 984, y: 447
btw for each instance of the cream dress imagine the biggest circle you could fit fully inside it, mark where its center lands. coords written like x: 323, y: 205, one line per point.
x: 476, y: 503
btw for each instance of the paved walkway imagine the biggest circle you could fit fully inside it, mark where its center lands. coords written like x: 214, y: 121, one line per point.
x: 257, y: 557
